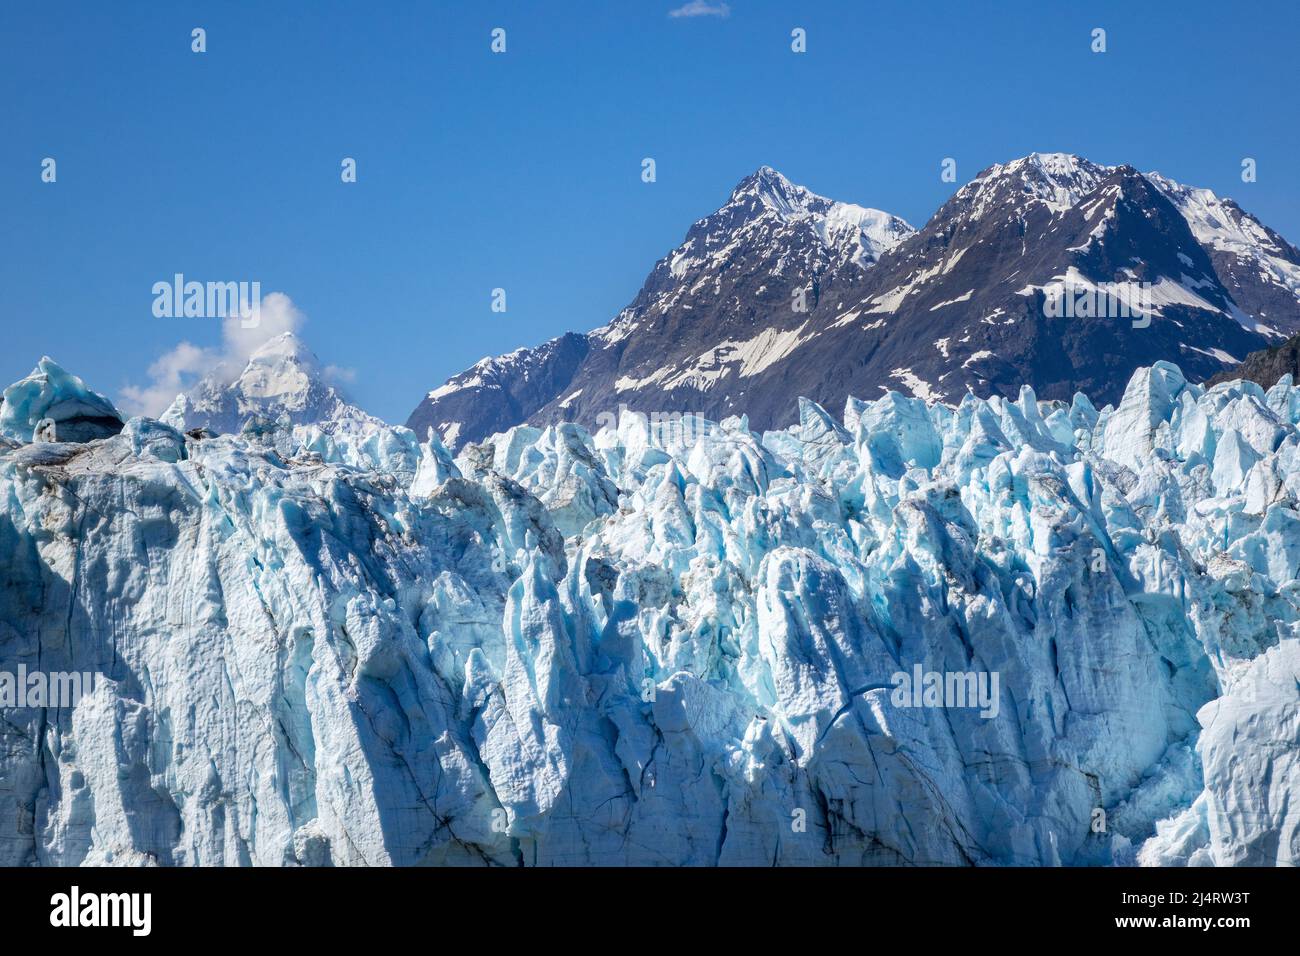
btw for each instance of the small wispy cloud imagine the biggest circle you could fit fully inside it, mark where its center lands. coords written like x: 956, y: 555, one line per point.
x: 701, y: 8
x: 339, y: 374
x: 171, y: 374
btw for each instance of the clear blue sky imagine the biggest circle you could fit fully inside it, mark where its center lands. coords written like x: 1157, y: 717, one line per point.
x: 522, y: 170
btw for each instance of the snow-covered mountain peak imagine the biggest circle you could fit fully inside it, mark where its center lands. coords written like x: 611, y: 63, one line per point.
x: 770, y: 220
x: 1057, y: 180
x: 1065, y: 166
x: 772, y: 232
x: 282, y: 382
x: 865, y: 232
x: 771, y: 188
x: 287, y: 346
x: 1061, y: 170
x: 768, y: 191
x: 1258, y: 266
x: 283, y: 369
x: 781, y: 289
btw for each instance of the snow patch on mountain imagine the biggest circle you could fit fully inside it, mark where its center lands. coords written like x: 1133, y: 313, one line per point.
x: 746, y: 359
x: 1222, y: 225
x: 860, y: 294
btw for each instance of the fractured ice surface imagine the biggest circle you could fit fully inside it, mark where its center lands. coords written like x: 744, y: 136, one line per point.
x: 339, y: 645
x: 51, y: 403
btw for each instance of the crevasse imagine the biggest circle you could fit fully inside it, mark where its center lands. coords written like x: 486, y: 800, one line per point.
x: 667, y: 643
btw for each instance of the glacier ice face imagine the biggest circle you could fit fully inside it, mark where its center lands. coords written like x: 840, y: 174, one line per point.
x: 1247, y: 814
x: 324, y: 645
x: 51, y: 404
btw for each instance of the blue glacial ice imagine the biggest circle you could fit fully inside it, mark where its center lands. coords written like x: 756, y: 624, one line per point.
x: 665, y: 643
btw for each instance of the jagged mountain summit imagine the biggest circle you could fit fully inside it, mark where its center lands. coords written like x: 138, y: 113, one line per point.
x: 726, y: 296
x: 964, y: 304
x: 282, y: 384
x: 654, y: 646
x: 781, y: 293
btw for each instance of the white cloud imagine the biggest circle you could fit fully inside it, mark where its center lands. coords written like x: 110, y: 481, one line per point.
x: 179, y: 369
x: 168, y: 376
x: 339, y: 374
x: 701, y: 8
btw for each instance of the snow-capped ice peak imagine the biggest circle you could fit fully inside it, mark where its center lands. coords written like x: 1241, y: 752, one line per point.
x: 768, y: 184
x: 770, y: 228
x: 866, y: 232
x: 1064, y: 166
x: 770, y: 218
x: 282, y: 369
x: 285, y: 346
x: 1061, y: 170
x: 282, y: 382
x: 1057, y: 180
x: 774, y: 192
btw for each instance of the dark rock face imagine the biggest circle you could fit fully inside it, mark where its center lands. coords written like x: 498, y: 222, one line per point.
x: 499, y: 393
x: 770, y: 262
x: 782, y: 293
x: 1266, y: 366
x: 964, y: 303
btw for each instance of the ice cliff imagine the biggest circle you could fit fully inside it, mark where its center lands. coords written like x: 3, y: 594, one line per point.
x: 672, y: 642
